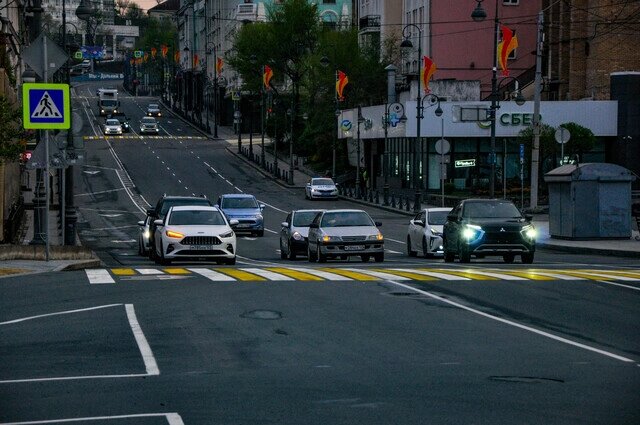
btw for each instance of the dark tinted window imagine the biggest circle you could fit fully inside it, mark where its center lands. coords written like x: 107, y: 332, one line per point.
x: 196, y: 218
x: 345, y: 219
x: 490, y: 210
x: 438, y: 218
x: 108, y: 102
x: 239, y: 203
x: 322, y: 182
x: 304, y: 219
x: 168, y: 203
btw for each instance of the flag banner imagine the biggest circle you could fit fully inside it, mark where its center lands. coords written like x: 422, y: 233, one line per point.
x: 153, y: 52
x: 164, y: 50
x: 428, y: 69
x: 146, y: 56
x: 341, y: 82
x: 176, y: 56
x: 507, y: 45
x: 267, y: 75
x: 196, y: 60
x: 219, y: 65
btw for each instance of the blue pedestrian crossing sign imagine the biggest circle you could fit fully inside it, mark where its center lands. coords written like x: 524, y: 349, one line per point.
x: 46, y: 106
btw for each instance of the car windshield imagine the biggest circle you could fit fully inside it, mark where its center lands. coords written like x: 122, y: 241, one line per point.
x: 304, y: 218
x: 437, y: 218
x: 490, y: 210
x: 197, y: 218
x: 346, y: 219
x: 148, y: 121
x: 239, y: 203
x: 113, y: 122
x: 153, y: 106
x: 174, y: 202
x: 108, y: 102
x: 322, y: 182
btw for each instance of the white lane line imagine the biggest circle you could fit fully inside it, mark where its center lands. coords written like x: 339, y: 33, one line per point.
x: 607, y: 283
x: 73, y: 378
x: 270, y: 231
x: 611, y: 276
x: 379, y: 275
x: 268, y: 274
x: 390, y: 251
x: 442, y: 276
x: 320, y: 273
x: 395, y: 240
x: 515, y: 324
x: 149, y: 271
x: 99, y: 276
x: 558, y: 275
x: 102, y: 191
x: 23, y: 319
x: 145, y: 350
x: 271, y: 206
x: 211, y: 275
x: 493, y: 274
x: 172, y: 419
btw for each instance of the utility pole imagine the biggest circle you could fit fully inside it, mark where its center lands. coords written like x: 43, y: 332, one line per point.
x: 47, y: 189
x: 535, y: 150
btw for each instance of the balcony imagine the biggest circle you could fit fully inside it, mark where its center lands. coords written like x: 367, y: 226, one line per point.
x: 370, y: 23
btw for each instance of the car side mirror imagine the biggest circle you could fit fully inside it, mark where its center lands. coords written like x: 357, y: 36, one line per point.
x: 285, y: 224
x: 151, y: 211
x: 158, y: 222
x: 378, y: 224
x: 141, y: 223
x: 418, y: 223
x: 233, y: 222
x: 262, y: 206
x: 452, y: 217
x: 308, y: 184
x: 528, y: 217
x: 314, y: 226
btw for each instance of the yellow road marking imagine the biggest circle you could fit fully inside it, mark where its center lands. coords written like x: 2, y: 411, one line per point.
x: 123, y: 272
x: 177, y: 271
x: 294, y: 273
x: 349, y: 273
x: 631, y: 274
x: 8, y: 271
x: 240, y: 274
x: 584, y: 275
x: 527, y: 274
x: 465, y: 273
x: 414, y: 276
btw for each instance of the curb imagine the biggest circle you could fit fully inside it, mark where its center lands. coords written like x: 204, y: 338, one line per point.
x: 381, y: 207
x: 587, y: 250
x: 261, y: 171
x: 187, y: 122
x: 80, y: 265
x: 37, y: 253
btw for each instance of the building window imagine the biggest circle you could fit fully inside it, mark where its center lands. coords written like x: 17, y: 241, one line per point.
x: 328, y: 1
x: 510, y: 2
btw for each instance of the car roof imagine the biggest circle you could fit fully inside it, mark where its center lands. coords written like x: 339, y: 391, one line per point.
x: 183, y: 197
x: 307, y: 210
x: 113, y: 119
x: 237, y: 195
x: 437, y: 209
x: 194, y: 207
x: 343, y: 211
x: 486, y: 200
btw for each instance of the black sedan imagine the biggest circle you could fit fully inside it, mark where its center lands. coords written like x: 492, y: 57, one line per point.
x: 488, y: 227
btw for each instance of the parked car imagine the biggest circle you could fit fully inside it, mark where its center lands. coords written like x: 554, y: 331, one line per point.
x: 149, y: 125
x: 194, y: 232
x: 112, y: 126
x: 488, y: 227
x: 321, y: 188
x: 295, y: 232
x: 162, y: 207
x: 425, y: 232
x: 345, y: 233
x: 153, y: 110
x: 246, y: 210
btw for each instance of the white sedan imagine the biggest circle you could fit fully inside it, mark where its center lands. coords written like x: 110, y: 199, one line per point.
x: 425, y: 232
x: 321, y: 188
x: 112, y: 126
x: 193, y: 232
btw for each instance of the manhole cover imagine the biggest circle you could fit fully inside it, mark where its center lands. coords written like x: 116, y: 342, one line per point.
x: 524, y: 379
x: 262, y: 315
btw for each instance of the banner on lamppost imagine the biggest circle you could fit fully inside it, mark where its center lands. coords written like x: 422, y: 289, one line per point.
x: 92, y: 52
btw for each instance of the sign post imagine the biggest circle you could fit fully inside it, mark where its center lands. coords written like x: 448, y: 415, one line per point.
x: 442, y: 147
x: 521, y: 176
x: 562, y: 136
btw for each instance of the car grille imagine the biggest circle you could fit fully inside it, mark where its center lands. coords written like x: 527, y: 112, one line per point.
x: 502, y: 237
x: 200, y: 252
x: 325, y: 190
x: 245, y: 221
x: 201, y: 240
x: 354, y: 238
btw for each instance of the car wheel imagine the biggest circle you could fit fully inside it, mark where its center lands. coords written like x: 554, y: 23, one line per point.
x: 464, y: 255
x: 322, y: 258
x: 379, y: 258
x: 140, y: 246
x: 410, y: 252
x: 230, y: 261
x: 448, y: 255
x: 310, y: 256
x: 508, y: 258
x: 283, y: 253
x: 365, y: 258
x: 425, y: 248
x: 291, y: 253
x: 527, y: 258
x: 260, y: 233
x: 163, y: 261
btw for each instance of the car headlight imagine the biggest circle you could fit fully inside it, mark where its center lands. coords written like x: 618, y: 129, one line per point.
x: 529, y: 232
x: 327, y: 238
x: 376, y: 237
x: 146, y: 234
x: 472, y: 232
x: 172, y: 234
x: 227, y: 234
x: 297, y: 236
x: 313, y: 189
x: 435, y: 233
x: 259, y: 216
x: 159, y: 114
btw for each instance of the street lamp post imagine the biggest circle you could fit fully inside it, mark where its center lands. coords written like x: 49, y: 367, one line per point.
x: 397, y: 108
x: 215, y: 92
x: 324, y: 61
x: 360, y: 121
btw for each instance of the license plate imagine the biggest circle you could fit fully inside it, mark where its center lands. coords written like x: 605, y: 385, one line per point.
x: 243, y: 226
x: 353, y: 247
x: 201, y: 247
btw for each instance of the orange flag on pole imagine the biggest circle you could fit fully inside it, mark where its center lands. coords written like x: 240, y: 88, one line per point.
x: 428, y: 69
x: 164, y: 49
x: 176, y: 56
x: 196, y: 60
x: 153, y: 52
x: 508, y: 44
x: 219, y: 65
x: 341, y: 82
x: 267, y: 75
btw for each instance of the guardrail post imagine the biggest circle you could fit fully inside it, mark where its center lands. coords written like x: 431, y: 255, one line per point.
x: 408, y: 205
x: 393, y: 200
x: 377, y: 197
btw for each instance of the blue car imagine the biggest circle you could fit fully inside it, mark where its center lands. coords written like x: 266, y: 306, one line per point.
x: 246, y: 210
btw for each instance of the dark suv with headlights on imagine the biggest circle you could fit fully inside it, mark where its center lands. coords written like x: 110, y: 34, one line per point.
x: 488, y: 227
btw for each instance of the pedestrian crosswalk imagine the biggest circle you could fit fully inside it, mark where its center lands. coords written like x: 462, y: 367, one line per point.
x: 288, y: 274
x: 136, y: 137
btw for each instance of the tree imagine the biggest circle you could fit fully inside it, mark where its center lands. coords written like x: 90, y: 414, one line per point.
x: 10, y: 131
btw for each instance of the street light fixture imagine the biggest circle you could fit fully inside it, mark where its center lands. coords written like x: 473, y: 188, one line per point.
x: 360, y: 121
x: 397, y: 108
x: 325, y: 62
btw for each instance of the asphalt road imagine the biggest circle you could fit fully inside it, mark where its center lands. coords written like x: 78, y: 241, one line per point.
x: 484, y: 343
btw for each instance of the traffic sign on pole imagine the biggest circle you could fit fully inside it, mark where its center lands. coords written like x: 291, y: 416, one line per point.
x: 46, y: 106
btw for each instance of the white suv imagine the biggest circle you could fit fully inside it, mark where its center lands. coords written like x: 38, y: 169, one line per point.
x: 190, y: 232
